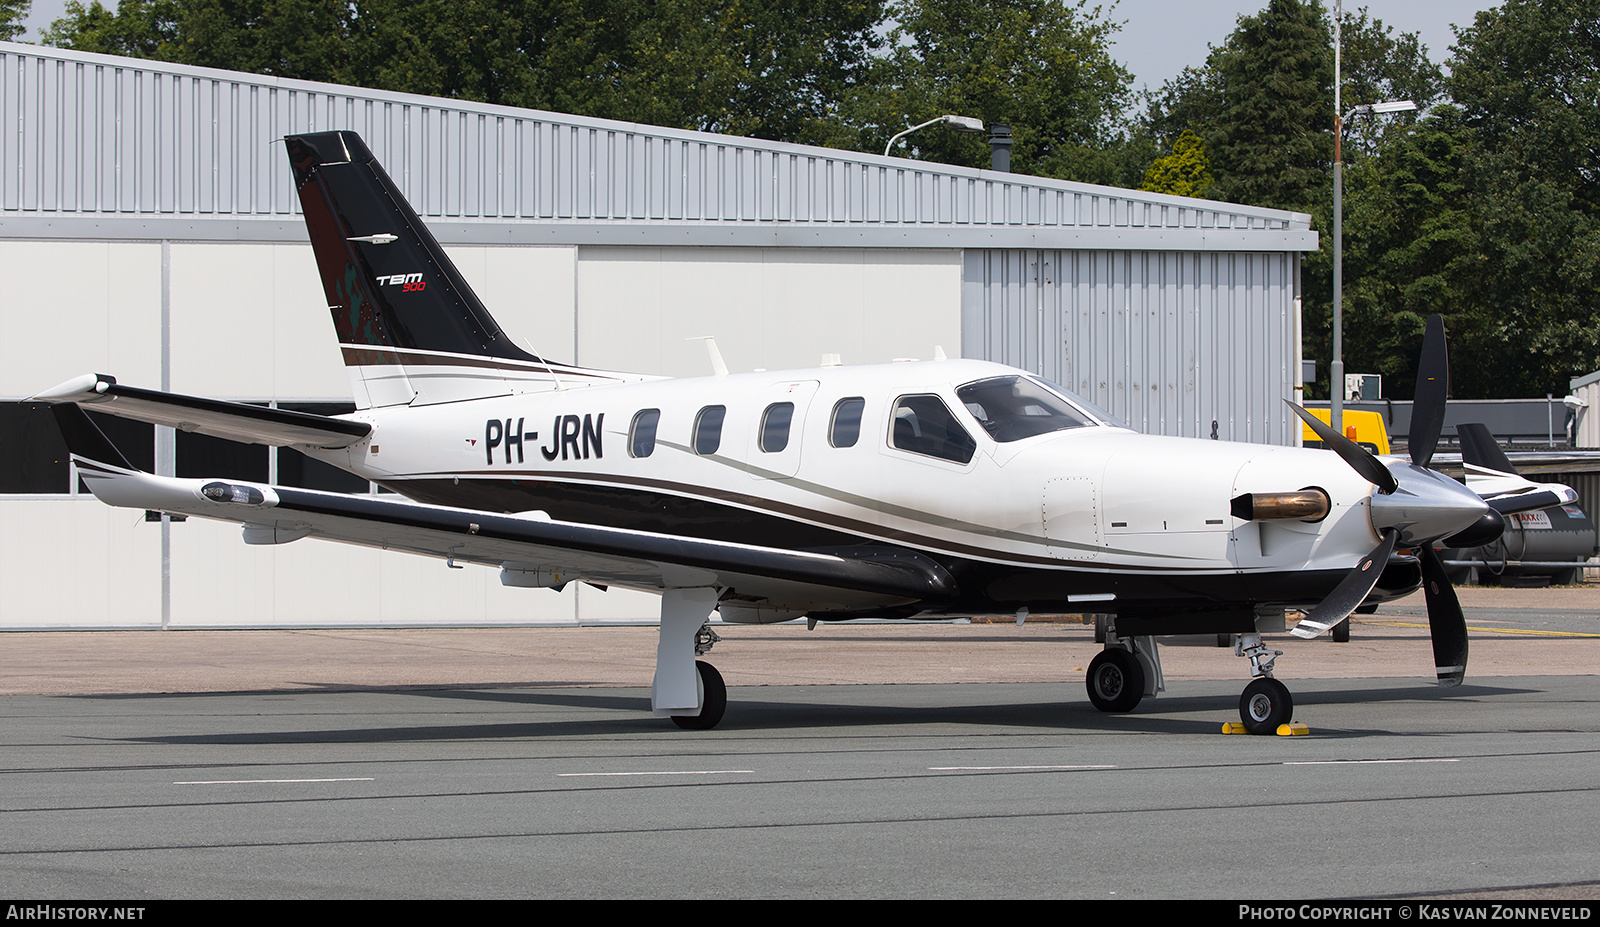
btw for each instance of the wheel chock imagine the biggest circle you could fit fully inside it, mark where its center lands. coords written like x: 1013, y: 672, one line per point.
x: 1293, y: 729
x: 1235, y: 727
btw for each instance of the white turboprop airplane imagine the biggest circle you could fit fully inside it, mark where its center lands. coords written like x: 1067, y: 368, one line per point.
x: 946, y: 487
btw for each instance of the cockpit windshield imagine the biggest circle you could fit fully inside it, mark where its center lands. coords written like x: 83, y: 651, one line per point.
x: 1013, y: 408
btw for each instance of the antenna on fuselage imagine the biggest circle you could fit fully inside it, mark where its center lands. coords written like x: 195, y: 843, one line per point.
x: 717, y: 366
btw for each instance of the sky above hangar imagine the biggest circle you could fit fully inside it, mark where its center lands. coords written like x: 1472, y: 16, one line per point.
x: 1161, y: 37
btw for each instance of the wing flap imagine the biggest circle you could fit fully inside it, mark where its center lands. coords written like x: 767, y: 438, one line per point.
x: 235, y: 421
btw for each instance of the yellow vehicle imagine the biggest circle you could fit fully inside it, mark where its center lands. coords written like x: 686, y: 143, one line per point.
x: 1364, y: 428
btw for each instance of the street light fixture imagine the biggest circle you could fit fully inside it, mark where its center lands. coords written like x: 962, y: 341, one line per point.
x: 954, y: 123
x: 1336, y: 369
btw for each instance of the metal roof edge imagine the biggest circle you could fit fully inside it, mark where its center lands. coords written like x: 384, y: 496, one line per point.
x: 147, y: 227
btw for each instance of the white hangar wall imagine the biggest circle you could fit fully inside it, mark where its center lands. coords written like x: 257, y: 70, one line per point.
x: 149, y: 230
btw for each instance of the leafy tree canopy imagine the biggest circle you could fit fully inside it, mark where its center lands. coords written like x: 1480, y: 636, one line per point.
x: 13, y: 18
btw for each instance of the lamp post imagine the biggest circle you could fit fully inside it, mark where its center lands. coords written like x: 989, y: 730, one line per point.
x: 1336, y: 369
x: 955, y: 123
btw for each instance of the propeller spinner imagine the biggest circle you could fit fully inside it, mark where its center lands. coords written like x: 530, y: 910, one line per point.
x: 1414, y: 506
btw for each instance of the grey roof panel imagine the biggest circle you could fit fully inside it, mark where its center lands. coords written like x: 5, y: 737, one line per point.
x: 100, y: 137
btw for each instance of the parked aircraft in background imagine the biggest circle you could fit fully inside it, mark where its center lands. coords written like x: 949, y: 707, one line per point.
x: 944, y: 487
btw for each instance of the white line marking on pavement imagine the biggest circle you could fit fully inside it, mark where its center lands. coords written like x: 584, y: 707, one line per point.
x: 258, y: 781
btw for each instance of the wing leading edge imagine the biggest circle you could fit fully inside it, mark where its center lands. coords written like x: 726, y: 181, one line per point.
x: 526, y: 544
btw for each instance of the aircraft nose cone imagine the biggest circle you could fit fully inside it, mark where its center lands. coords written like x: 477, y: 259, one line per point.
x: 1427, y: 506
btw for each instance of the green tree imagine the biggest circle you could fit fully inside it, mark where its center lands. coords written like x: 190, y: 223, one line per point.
x: 13, y: 18
x: 1414, y: 250
x: 1526, y: 77
x: 1043, y: 67
x: 1185, y: 172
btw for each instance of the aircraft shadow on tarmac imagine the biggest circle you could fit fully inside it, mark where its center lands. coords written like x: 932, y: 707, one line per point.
x: 1198, y: 714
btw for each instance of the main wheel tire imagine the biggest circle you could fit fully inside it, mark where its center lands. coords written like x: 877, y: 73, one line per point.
x: 1224, y: 640
x: 1341, y: 632
x: 1265, y: 704
x: 1116, y: 680
x: 713, y: 700
x: 1099, y: 629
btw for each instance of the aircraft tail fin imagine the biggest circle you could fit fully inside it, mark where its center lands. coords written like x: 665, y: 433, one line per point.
x: 1480, y: 449
x: 411, y: 329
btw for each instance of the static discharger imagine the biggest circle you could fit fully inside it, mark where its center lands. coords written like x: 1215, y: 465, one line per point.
x: 1306, y: 505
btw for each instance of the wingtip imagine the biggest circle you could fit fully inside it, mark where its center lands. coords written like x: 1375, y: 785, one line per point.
x: 84, y: 388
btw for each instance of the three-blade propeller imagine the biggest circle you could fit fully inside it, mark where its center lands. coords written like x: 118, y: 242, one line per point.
x: 1446, y: 623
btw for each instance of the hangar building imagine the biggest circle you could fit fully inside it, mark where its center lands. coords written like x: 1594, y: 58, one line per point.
x: 149, y: 230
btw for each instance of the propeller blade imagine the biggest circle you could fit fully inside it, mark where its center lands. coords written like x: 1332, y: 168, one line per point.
x: 1358, y: 457
x: 1350, y: 592
x: 1433, y: 387
x: 1446, y: 623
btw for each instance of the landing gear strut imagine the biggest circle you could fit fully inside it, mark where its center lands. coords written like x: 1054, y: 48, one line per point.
x: 689, y: 691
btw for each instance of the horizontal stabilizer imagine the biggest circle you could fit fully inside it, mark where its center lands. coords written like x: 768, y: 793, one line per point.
x: 1547, y: 495
x: 235, y: 421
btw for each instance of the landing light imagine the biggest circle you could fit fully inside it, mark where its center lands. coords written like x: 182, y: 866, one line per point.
x: 228, y: 492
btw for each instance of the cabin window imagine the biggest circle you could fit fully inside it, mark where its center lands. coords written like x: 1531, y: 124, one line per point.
x: 642, y: 433
x: 845, y: 428
x: 1013, y: 408
x: 775, y: 426
x: 708, y: 429
x: 925, y: 425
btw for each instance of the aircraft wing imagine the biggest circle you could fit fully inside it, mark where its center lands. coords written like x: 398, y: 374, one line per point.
x: 235, y: 421
x: 531, y: 547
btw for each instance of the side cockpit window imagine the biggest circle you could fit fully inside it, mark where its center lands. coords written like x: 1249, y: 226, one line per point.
x: 1013, y: 408
x: 642, y: 433
x: 925, y: 425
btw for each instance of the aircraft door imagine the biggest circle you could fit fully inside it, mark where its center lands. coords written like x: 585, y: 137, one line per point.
x: 775, y: 447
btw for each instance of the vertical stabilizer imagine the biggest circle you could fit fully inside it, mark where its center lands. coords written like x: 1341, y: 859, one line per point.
x: 410, y: 328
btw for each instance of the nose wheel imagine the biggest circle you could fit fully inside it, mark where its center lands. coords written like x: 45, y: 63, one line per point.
x: 1265, y: 704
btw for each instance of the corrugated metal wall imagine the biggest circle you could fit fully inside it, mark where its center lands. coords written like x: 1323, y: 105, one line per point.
x: 1169, y: 341
x: 94, y: 135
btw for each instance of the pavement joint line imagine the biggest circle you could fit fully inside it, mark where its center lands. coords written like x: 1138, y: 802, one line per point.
x: 1367, y: 762
x: 1005, y: 768
x: 266, y: 781
x: 664, y: 772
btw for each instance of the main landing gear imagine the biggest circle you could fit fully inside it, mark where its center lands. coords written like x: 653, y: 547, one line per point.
x: 688, y: 691
x: 1129, y: 668
x: 1125, y: 672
